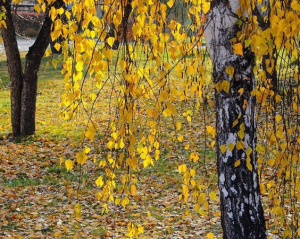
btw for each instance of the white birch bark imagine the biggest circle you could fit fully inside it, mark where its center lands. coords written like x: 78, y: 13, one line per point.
x: 241, y: 209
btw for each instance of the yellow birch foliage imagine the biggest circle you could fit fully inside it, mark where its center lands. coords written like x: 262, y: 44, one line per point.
x: 162, y: 63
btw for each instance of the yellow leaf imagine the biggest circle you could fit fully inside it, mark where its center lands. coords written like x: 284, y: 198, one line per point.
x: 262, y: 188
x: 57, y: 46
x: 156, y: 145
x: 235, y: 122
x: 79, y: 66
x: 241, y: 91
x: 90, y: 133
x: 210, y: 235
x: 182, y: 168
x: 122, y: 64
x: 230, y: 71
x: 277, y: 98
x: 81, y: 157
x: 230, y: 146
x: 108, y: 53
x: 180, y: 138
x: 240, y: 145
x: 237, y: 163
x: 110, y: 144
x: 57, y: 234
x: 37, y: 8
x: 194, y: 156
x: 77, y: 210
x: 223, y: 148
x: 225, y: 85
x: 69, y: 164
x: 271, y: 162
x: 206, y: 6
x: 170, y: 3
x: 193, y: 172
x: 44, y: 7
x: 110, y: 41
x: 295, y: 5
x: 241, y: 133
x: 140, y: 229
x: 114, y: 135
x: 122, y: 145
x: 87, y: 150
x: 238, y: 49
x: 278, y: 118
x: 213, y: 195
x: 249, y: 165
x: 3, y: 23
x: 133, y: 189
x: 99, y: 182
x: 211, y: 130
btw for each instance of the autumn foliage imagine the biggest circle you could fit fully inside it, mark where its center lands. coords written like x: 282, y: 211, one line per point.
x: 152, y: 99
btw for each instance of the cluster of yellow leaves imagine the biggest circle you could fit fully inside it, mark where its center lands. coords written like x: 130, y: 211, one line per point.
x: 134, y: 230
x: 141, y: 75
x: 279, y: 148
x: 2, y: 20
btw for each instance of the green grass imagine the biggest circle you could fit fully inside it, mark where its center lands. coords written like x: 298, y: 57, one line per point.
x: 100, y: 232
x: 10, y: 226
x: 23, y: 182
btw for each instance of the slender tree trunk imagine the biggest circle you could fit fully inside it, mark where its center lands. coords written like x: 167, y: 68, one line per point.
x: 14, y: 68
x: 121, y: 34
x: 24, y: 85
x: 29, y: 91
x: 241, y: 210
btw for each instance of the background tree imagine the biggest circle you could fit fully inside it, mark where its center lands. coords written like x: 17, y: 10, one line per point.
x: 24, y: 82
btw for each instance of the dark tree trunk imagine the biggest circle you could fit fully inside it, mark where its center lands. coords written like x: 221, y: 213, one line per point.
x: 270, y: 70
x: 241, y: 210
x: 269, y: 60
x: 121, y: 34
x: 29, y: 91
x: 24, y: 85
x: 14, y: 68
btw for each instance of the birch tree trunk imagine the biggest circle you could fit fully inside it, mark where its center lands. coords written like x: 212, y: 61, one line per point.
x: 241, y: 210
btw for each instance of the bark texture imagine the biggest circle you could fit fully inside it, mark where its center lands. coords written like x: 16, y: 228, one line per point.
x: 24, y: 84
x: 14, y: 67
x: 32, y: 65
x: 241, y: 209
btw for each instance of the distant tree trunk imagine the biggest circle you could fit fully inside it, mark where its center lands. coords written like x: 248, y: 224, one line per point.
x: 241, y: 210
x: 14, y: 68
x: 33, y: 60
x: 24, y: 85
x: 121, y: 34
